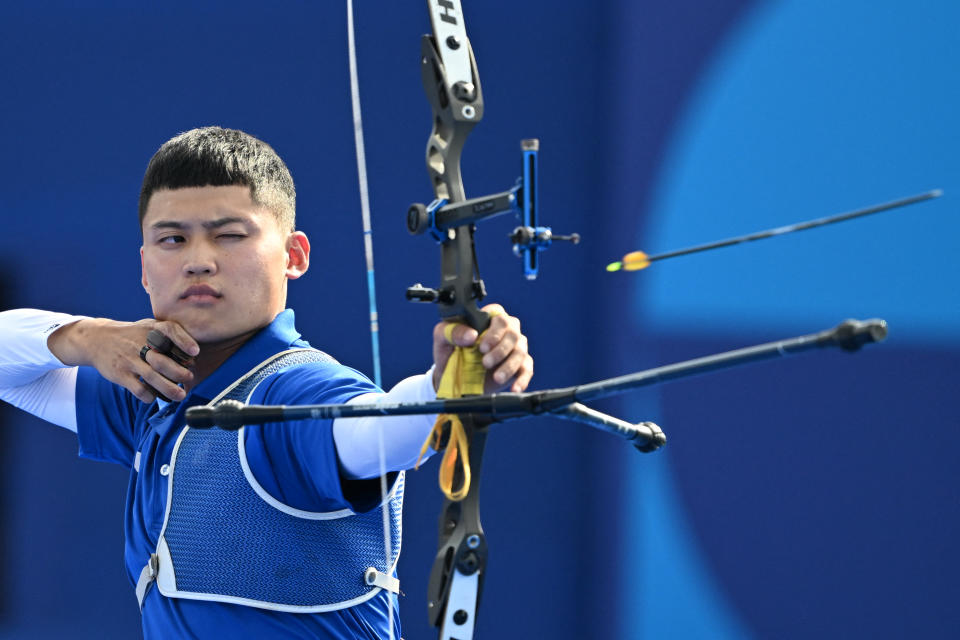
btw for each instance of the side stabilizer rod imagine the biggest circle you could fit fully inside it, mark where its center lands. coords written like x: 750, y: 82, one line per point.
x: 566, y: 402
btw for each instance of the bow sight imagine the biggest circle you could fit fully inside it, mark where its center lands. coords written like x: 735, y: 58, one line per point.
x: 439, y: 217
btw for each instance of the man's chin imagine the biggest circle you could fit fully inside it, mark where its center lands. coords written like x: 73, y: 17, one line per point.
x: 211, y: 327
x: 223, y: 322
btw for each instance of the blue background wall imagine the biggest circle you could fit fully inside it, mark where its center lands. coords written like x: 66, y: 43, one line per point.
x: 809, y: 497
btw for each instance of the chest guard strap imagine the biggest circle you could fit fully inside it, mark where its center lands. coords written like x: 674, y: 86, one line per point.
x: 226, y: 539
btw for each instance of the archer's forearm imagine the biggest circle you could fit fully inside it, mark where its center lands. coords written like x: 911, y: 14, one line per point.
x: 32, y: 377
x: 358, y: 439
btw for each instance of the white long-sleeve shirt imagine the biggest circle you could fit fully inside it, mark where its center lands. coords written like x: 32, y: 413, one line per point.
x: 33, y: 379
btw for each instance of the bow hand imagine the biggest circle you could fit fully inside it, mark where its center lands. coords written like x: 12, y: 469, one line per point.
x: 503, y: 346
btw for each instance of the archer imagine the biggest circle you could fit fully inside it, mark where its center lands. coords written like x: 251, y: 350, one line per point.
x: 269, y: 530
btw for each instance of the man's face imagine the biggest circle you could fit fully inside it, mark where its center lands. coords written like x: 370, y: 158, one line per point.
x: 216, y: 262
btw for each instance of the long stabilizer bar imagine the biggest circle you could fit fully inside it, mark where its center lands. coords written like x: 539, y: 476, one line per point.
x: 563, y: 402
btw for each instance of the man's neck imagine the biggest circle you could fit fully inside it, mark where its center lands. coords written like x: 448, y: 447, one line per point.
x: 214, y: 354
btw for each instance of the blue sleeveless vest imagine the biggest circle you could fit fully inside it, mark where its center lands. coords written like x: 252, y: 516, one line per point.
x: 226, y: 539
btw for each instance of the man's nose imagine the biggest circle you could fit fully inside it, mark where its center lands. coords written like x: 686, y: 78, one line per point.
x: 201, y: 260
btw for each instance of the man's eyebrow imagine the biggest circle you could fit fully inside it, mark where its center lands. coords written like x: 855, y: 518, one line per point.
x: 221, y: 222
x: 212, y: 224
x: 167, y: 224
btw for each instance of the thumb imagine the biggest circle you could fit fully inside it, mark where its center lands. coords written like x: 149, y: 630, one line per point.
x: 459, y: 334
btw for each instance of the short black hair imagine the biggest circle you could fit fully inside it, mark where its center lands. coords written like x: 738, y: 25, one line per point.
x: 217, y: 157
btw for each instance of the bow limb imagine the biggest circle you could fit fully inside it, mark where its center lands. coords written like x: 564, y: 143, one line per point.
x: 452, y: 84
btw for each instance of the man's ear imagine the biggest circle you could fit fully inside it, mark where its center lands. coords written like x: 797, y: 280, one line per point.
x: 143, y: 274
x: 298, y: 254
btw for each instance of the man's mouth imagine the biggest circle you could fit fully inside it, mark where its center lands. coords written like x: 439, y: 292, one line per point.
x: 200, y: 293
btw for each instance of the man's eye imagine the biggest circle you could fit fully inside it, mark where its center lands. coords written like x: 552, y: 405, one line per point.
x: 232, y: 236
x: 171, y: 240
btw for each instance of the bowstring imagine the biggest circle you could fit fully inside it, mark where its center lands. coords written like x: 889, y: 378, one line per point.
x: 371, y: 291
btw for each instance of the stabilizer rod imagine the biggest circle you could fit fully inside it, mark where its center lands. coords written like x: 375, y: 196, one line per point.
x: 563, y: 402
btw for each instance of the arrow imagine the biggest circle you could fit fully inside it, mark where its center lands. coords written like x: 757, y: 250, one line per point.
x: 637, y: 260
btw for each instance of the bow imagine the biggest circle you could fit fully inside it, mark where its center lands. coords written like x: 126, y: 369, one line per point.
x: 451, y: 82
x: 452, y: 85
